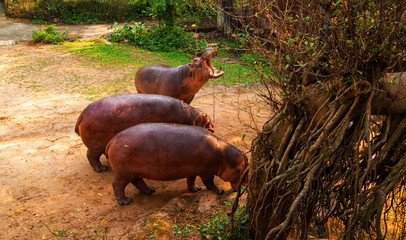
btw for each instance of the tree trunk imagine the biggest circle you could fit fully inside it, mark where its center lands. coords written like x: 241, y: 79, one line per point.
x: 274, y: 160
x: 392, y: 98
x: 224, y: 19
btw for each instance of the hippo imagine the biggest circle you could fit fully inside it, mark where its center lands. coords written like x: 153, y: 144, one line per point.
x: 181, y: 82
x: 165, y: 152
x: 104, y: 118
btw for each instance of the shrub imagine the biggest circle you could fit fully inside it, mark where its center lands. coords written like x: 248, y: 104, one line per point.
x: 166, y: 39
x: 161, y: 38
x: 132, y: 34
x: 49, y: 35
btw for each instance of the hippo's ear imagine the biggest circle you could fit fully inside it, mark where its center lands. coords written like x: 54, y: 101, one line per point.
x: 208, y: 124
x: 193, y: 64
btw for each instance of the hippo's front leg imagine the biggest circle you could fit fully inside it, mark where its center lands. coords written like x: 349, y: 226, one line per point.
x: 209, y: 183
x: 191, y: 184
x: 94, y: 160
x: 142, y: 186
x: 118, y: 187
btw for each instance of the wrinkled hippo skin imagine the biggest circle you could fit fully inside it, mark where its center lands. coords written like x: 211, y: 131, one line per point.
x: 181, y: 82
x: 104, y: 118
x: 166, y: 152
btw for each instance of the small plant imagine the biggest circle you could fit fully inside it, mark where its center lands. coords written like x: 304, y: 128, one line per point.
x: 219, y: 226
x: 183, y: 231
x: 49, y: 35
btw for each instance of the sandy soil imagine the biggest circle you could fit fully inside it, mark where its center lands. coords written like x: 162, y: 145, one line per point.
x: 48, y: 190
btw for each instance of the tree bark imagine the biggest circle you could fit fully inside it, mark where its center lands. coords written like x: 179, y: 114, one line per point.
x: 224, y: 18
x: 392, y: 97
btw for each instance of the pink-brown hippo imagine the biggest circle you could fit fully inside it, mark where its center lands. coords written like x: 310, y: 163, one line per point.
x: 181, y: 82
x: 104, y: 118
x: 166, y: 152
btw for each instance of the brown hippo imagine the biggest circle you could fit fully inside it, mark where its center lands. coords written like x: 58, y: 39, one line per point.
x: 181, y: 82
x: 166, y: 152
x: 104, y: 118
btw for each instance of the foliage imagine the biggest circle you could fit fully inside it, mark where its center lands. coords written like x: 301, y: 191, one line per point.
x: 160, y: 38
x: 167, y: 39
x: 168, y: 12
x: 77, y: 11
x: 49, y: 35
x: 92, y: 11
x: 325, y: 154
x: 219, y: 226
x: 133, y: 34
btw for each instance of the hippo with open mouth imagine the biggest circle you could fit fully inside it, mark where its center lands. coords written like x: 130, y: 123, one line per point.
x: 181, y: 82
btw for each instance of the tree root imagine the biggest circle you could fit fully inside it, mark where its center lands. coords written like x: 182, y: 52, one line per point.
x: 317, y: 168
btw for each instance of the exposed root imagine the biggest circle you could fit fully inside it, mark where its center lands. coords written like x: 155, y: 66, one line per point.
x: 300, y: 172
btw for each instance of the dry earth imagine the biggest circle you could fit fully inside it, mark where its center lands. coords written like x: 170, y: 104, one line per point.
x: 49, y: 191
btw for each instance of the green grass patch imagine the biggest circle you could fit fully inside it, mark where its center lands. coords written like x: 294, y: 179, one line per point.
x: 115, y: 87
x: 105, y: 54
x: 174, y: 58
x: 234, y: 73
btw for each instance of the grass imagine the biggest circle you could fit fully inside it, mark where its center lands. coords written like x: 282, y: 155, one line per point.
x: 102, y: 53
x: 117, y: 86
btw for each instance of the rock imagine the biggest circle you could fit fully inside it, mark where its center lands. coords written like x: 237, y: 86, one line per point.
x: 177, y: 204
x: 207, y: 201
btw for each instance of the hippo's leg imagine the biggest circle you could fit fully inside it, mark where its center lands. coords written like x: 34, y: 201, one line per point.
x: 188, y: 100
x: 142, y: 186
x: 209, y: 183
x: 118, y: 187
x: 191, y: 184
x: 94, y: 160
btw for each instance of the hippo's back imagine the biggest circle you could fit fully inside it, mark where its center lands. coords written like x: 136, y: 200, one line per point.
x: 104, y: 118
x: 164, y: 151
x: 161, y: 79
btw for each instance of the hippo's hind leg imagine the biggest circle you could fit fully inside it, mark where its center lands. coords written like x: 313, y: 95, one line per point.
x: 191, y: 184
x: 142, y: 186
x: 209, y: 183
x: 94, y: 160
x: 119, y: 187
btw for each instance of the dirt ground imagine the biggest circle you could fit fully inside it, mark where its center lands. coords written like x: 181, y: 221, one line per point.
x: 49, y: 191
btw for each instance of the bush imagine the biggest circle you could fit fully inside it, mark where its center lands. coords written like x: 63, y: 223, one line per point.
x: 132, y: 34
x: 161, y: 38
x: 49, y: 35
x: 168, y: 39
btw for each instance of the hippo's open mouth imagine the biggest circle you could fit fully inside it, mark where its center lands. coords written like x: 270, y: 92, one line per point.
x: 207, y: 55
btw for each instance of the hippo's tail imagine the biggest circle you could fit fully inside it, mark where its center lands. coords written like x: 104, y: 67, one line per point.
x: 106, y: 150
x: 78, y: 123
